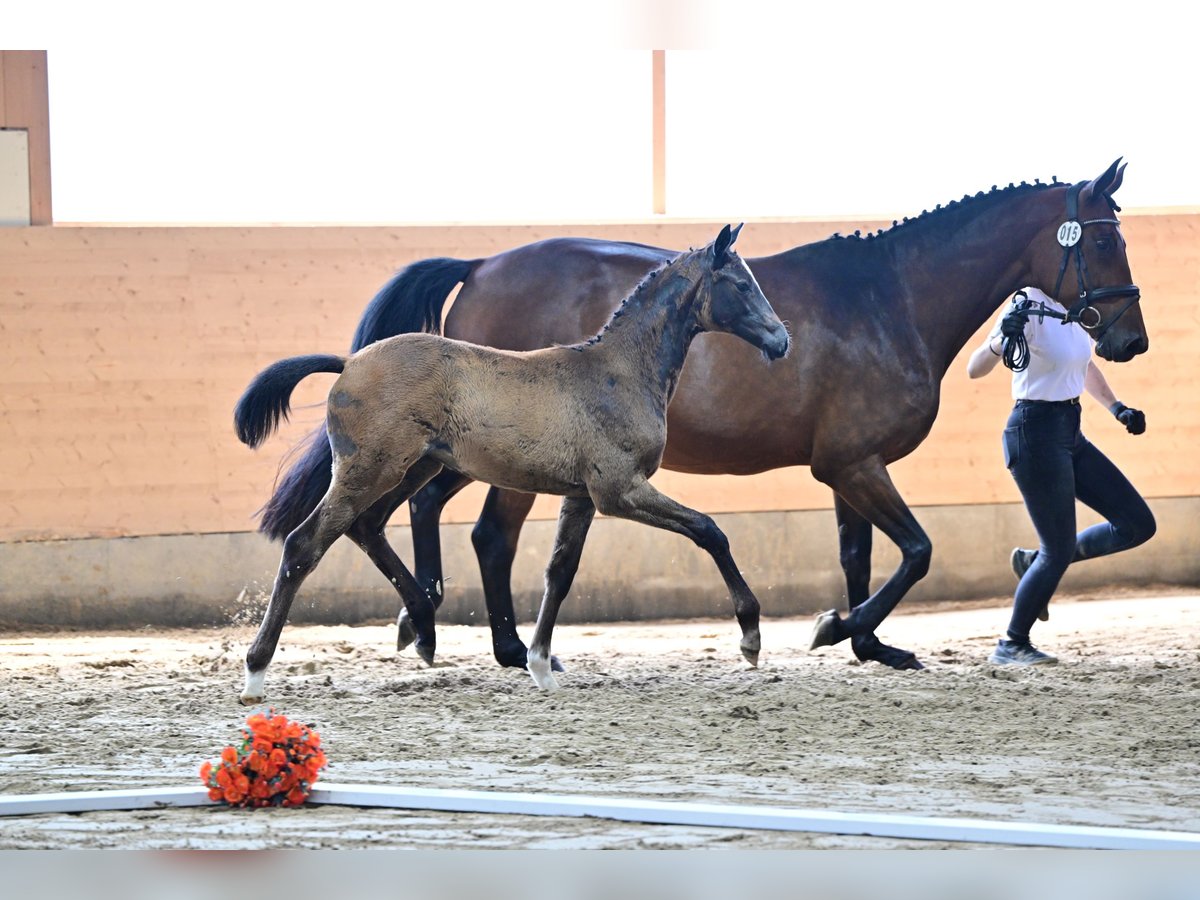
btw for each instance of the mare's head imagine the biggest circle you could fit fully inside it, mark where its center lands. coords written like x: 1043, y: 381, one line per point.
x: 1080, y: 261
x: 734, y: 302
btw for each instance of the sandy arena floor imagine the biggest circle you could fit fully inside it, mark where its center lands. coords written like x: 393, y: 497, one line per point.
x: 661, y: 710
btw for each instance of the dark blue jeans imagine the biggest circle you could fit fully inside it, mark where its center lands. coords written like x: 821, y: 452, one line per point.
x: 1053, y: 464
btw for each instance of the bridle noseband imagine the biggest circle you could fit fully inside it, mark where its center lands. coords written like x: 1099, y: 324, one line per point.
x: 1070, y: 235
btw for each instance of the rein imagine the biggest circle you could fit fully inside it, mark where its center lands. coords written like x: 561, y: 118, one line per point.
x: 1070, y: 234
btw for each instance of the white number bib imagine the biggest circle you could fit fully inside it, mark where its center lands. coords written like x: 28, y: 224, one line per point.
x: 1069, y: 234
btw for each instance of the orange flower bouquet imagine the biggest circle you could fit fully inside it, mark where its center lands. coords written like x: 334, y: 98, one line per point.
x: 276, y: 764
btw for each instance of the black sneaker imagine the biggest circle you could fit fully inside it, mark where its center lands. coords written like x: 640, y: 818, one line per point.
x: 1021, y: 560
x: 1012, y: 653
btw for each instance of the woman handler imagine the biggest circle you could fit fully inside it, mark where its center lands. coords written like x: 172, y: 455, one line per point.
x: 1052, y: 462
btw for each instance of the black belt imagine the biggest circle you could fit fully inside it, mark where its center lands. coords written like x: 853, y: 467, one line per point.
x: 1074, y: 401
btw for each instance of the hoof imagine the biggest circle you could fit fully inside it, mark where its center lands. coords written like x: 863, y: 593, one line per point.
x: 426, y: 652
x: 903, y: 661
x: 520, y: 660
x: 828, y: 630
x: 549, y: 684
x: 405, y: 633
x: 540, y: 671
x: 751, y: 645
x: 252, y: 692
x: 869, y: 648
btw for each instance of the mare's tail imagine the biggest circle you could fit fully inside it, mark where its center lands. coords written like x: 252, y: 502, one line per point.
x: 265, y: 401
x: 411, y: 301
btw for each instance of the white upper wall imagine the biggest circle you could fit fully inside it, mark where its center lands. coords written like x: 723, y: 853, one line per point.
x: 527, y: 110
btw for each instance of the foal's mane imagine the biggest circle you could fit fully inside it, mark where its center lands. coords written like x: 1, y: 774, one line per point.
x: 938, y: 215
x: 644, y: 285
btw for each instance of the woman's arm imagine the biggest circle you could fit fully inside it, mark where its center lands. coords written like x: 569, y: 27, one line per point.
x: 1096, y: 384
x: 985, y: 357
x: 1097, y: 387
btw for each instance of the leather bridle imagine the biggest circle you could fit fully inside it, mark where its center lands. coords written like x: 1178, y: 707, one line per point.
x: 1070, y: 235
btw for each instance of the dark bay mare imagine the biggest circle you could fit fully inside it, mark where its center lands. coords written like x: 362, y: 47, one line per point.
x: 878, y: 320
x: 587, y: 421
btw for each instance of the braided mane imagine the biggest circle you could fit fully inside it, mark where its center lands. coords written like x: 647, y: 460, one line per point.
x: 932, y: 214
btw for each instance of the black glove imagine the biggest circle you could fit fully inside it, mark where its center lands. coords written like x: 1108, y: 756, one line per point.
x: 1013, y: 324
x: 1134, y: 420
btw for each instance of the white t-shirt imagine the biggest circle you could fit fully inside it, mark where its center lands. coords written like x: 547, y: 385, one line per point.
x: 1058, y: 354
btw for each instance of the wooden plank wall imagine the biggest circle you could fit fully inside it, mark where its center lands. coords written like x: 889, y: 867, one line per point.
x: 25, y: 104
x: 123, y: 351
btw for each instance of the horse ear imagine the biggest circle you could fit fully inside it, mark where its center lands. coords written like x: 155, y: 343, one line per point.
x: 1120, y: 176
x: 1110, y: 180
x: 721, y: 247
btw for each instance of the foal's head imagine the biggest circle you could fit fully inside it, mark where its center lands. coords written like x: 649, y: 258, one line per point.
x: 731, y: 300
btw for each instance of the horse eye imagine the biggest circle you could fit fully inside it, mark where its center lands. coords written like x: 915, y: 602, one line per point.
x: 743, y: 287
x: 1104, y: 244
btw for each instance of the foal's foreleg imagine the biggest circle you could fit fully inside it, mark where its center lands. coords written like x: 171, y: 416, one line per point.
x: 368, y: 532
x: 854, y: 542
x: 495, y: 539
x: 643, y: 503
x: 574, y: 520
x: 868, y: 488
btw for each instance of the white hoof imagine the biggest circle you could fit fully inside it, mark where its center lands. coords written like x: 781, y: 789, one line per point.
x: 540, y: 671
x: 252, y: 693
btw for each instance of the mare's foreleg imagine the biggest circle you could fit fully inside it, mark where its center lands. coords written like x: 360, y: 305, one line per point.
x: 424, y: 515
x: 643, y: 503
x: 574, y: 519
x: 854, y: 541
x: 368, y: 532
x: 867, y: 487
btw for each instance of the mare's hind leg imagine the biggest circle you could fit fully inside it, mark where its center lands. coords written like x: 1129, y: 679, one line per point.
x: 368, y: 532
x: 424, y: 514
x: 574, y: 519
x: 302, y: 551
x: 854, y: 540
x: 495, y: 539
x: 642, y: 503
x: 868, y: 488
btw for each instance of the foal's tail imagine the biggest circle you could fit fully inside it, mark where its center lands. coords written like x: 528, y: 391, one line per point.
x: 412, y: 301
x: 265, y: 401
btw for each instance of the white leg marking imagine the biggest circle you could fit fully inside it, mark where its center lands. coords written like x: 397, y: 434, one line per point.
x: 539, y: 669
x: 253, y: 691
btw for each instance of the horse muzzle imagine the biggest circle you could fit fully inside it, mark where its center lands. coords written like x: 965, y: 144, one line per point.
x: 777, y: 344
x: 1119, y: 350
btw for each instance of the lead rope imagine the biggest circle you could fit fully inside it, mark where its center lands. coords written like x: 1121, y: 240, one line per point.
x: 1016, y: 348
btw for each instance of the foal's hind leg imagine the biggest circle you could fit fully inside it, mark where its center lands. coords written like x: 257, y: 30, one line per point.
x: 424, y: 514
x: 868, y: 488
x: 368, y: 532
x: 854, y: 539
x: 642, y: 503
x: 302, y: 551
x: 574, y: 519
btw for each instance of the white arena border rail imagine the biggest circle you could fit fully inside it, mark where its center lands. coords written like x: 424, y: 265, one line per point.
x: 655, y: 812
